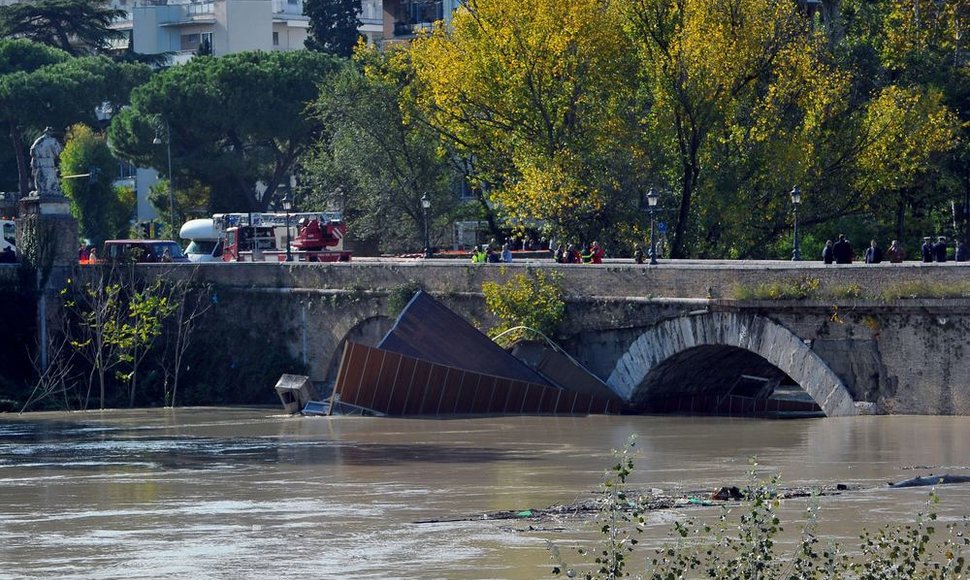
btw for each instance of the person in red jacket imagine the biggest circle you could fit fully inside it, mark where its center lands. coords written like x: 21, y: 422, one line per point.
x: 598, y: 252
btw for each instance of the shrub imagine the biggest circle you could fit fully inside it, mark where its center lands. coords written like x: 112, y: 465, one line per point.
x: 793, y: 289
x: 745, y: 546
x: 533, y: 301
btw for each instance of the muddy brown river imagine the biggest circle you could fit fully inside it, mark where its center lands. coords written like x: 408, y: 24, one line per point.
x: 247, y: 493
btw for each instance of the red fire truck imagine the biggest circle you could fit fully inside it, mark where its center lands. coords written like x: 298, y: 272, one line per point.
x: 254, y: 237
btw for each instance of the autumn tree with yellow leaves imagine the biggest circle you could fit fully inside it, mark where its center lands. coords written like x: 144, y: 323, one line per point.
x: 569, y: 112
x: 541, y: 96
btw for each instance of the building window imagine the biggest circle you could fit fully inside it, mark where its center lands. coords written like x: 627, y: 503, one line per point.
x: 276, y: 39
x: 126, y: 171
x: 190, y: 42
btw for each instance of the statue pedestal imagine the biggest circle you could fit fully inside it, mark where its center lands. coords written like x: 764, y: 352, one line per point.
x: 47, y: 233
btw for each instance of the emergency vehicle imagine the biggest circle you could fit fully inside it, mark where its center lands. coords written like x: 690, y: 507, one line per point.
x: 312, y: 236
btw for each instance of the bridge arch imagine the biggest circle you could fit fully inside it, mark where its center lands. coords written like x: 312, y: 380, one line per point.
x: 702, y: 349
x: 367, y: 330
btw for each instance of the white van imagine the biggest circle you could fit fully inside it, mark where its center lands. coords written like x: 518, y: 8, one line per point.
x: 205, y: 241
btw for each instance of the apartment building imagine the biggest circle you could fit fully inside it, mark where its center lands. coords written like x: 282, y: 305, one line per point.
x: 182, y: 27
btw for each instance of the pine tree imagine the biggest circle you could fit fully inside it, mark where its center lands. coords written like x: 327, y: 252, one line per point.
x: 333, y: 25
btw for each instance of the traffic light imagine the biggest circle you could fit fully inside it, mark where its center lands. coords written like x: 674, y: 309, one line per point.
x: 93, y: 174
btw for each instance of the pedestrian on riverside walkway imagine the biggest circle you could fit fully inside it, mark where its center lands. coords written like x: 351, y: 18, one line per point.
x: 939, y: 249
x: 873, y: 253
x: 638, y: 254
x: 927, y: 249
x: 962, y: 255
x: 842, y: 250
x: 828, y: 255
x: 896, y: 253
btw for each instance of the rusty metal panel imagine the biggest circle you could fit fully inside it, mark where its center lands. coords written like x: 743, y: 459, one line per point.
x: 482, y: 403
x: 402, y: 385
x: 533, y: 397
x: 416, y: 390
x: 396, y: 384
x: 352, y: 364
x: 386, y: 381
x: 451, y: 391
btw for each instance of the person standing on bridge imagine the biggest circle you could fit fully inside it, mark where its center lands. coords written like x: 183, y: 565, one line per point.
x: 873, y: 253
x: 939, y: 249
x: 927, y: 249
x: 962, y: 255
x: 842, y: 250
x: 828, y: 254
x: 896, y: 253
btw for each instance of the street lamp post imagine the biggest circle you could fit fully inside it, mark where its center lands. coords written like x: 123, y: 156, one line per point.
x: 171, y: 178
x: 796, y: 200
x: 426, y: 205
x: 287, y: 206
x: 652, y: 198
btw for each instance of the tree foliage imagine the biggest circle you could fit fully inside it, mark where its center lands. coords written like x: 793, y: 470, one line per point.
x: 231, y: 122
x: 78, y: 27
x: 102, y: 210
x: 539, y: 95
x: 377, y: 160
x: 572, y: 111
x: 42, y: 86
x: 333, y: 26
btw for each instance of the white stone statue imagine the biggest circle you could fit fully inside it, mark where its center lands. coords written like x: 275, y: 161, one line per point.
x: 44, y: 160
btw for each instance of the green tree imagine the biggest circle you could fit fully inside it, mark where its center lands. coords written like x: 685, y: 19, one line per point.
x: 148, y: 308
x: 376, y: 162
x: 230, y: 122
x: 333, y: 26
x: 78, y: 27
x: 42, y: 86
x: 102, y: 210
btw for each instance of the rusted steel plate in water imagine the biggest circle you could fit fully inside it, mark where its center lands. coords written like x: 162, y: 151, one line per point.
x: 403, y: 383
x: 397, y: 384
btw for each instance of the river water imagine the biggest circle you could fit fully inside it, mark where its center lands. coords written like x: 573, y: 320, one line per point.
x: 247, y: 493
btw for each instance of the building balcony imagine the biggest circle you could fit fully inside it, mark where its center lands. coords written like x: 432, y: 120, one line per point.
x: 195, y: 13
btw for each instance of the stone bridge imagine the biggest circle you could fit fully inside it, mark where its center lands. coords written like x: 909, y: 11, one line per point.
x: 868, y: 338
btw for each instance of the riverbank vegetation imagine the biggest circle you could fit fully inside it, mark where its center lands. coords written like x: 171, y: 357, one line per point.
x: 116, y: 339
x: 743, y: 543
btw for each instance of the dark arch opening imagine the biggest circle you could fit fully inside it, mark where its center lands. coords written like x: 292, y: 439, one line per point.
x: 722, y: 380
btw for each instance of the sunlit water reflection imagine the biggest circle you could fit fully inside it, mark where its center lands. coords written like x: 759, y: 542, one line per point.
x: 246, y: 493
